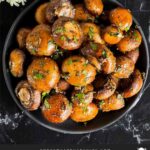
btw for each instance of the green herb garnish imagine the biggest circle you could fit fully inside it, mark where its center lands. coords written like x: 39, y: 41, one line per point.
x: 93, y: 46
x: 63, y: 38
x: 104, y: 54
x: 75, y: 39
x: 114, y: 34
x: 85, y: 109
x: 91, y: 32
x: 127, y: 28
x: 46, y: 104
x: 33, y: 51
x: 59, y: 30
x: 37, y: 75
x: 69, y: 61
x: 84, y: 72
x: 66, y: 75
x: 86, y: 63
x: 44, y: 95
x: 101, y: 103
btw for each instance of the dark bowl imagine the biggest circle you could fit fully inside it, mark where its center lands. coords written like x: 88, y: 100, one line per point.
x: 26, y: 19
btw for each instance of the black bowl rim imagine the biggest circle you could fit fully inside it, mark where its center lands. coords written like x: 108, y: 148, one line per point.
x: 55, y: 128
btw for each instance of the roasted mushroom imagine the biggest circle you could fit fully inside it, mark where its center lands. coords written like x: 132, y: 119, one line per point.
x: 105, y: 57
x: 105, y: 87
x: 56, y: 109
x: 112, y: 35
x: 133, y: 55
x: 91, y: 32
x: 62, y: 86
x: 77, y: 71
x: 134, y: 84
x: 124, y: 67
x: 67, y: 33
x: 16, y: 62
x: 131, y: 41
x: 39, y: 42
x: 43, y: 74
x: 40, y: 14
x: 81, y: 14
x: 29, y: 97
x: 121, y: 17
x: 84, y: 113
x: 21, y: 37
x: 94, y: 6
x: 83, y: 96
x: 58, y: 8
x: 115, y: 102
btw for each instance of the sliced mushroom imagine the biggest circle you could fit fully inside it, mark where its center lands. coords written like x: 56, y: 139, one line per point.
x: 29, y: 97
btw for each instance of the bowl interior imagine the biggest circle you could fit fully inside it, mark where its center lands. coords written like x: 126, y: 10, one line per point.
x: 26, y: 19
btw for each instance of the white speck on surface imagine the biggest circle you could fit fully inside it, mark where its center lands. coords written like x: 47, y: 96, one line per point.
x: 149, y: 31
x: 85, y: 137
x: 11, y: 120
x: 145, y: 6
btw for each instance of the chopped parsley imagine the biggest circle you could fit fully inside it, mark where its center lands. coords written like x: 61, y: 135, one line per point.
x: 96, y: 19
x: 41, y: 63
x: 59, y: 30
x: 93, y: 46
x: 46, y: 104
x: 135, y: 35
x: 63, y: 38
x: 59, y: 53
x: 69, y: 61
x: 66, y: 75
x: 127, y: 28
x: 104, y: 54
x: 37, y: 75
x: 114, y: 34
x: 84, y: 72
x: 85, y: 109
x: 33, y: 51
x: 86, y: 63
x: 44, y: 95
x: 91, y: 32
x: 75, y: 39
x: 80, y: 95
x: 101, y: 103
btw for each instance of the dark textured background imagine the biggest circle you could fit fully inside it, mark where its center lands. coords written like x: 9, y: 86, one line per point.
x: 15, y: 127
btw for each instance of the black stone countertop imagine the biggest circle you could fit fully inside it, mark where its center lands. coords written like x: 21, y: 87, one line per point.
x: 15, y: 127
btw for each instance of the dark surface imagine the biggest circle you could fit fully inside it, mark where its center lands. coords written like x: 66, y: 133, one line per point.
x: 15, y: 127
